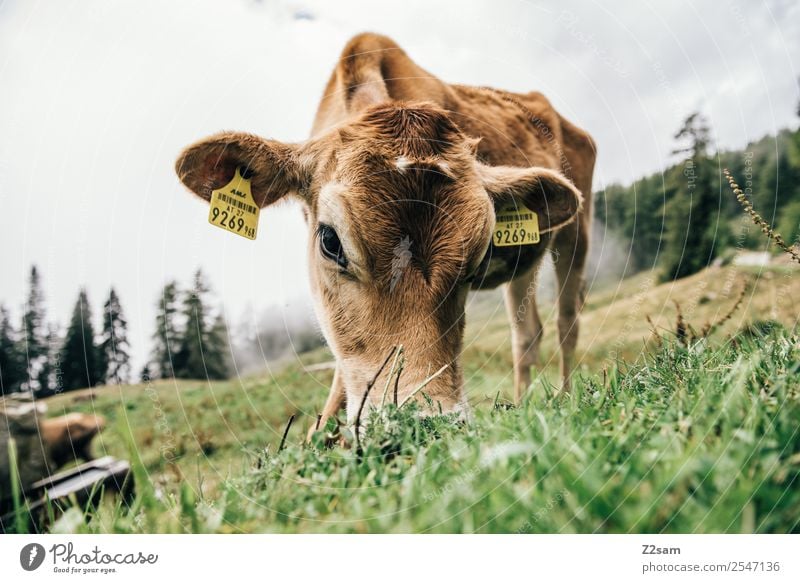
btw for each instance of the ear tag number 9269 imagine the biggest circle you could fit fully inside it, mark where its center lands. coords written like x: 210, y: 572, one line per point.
x: 233, y: 208
x: 515, y: 224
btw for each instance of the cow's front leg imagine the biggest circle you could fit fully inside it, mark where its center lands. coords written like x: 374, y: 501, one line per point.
x: 334, y: 403
x: 526, y: 329
x: 572, y: 244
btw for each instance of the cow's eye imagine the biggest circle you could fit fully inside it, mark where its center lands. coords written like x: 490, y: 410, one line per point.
x: 330, y: 245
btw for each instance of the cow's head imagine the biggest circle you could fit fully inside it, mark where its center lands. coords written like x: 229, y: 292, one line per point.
x: 400, y: 215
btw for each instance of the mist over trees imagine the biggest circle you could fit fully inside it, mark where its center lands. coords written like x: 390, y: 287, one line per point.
x: 682, y: 219
x: 275, y: 334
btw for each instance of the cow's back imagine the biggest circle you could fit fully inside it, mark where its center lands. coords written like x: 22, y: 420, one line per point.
x: 515, y: 129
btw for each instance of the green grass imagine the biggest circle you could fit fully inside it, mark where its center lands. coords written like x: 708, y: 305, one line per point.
x: 687, y: 440
x: 653, y: 439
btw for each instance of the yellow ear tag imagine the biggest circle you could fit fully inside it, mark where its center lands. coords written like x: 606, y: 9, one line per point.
x: 233, y: 207
x: 515, y: 224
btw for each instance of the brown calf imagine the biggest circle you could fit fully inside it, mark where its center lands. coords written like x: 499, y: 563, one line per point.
x: 69, y: 437
x: 400, y: 182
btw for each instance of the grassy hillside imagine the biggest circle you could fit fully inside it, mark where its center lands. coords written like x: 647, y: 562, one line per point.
x: 653, y: 438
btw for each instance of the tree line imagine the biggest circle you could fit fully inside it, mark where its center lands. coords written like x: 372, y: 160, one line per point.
x: 191, y: 341
x: 684, y: 218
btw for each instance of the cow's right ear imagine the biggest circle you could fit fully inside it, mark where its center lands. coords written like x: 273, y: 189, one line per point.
x: 548, y: 193
x: 275, y: 168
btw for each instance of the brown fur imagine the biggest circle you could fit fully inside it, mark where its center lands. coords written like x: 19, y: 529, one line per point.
x: 409, y: 170
x: 69, y: 437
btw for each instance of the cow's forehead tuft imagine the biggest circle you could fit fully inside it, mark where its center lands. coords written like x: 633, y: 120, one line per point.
x: 414, y: 132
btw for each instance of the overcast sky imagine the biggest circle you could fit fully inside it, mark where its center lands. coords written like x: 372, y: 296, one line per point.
x: 98, y: 97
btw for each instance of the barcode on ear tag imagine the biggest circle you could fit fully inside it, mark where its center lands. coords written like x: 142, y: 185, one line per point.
x: 515, y: 224
x: 233, y: 208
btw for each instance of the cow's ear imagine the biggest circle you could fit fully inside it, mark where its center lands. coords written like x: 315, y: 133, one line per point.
x: 275, y: 168
x: 549, y: 194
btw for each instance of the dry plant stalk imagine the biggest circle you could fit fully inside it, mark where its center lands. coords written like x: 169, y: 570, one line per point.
x: 286, y: 432
x: 397, y: 381
x: 656, y: 336
x: 176, y: 472
x: 397, y: 364
x: 680, y: 324
x: 709, y: 328
x: 424, y: 384
x: 370, y: 384
x: 766, y: 228
x: 686, y: 333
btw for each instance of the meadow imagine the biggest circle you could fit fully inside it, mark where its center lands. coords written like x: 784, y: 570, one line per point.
x: 661, y: 433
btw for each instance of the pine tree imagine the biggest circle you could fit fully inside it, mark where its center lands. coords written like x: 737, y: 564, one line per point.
x: 11, y: 365
x: 693, y: 215
x: 165, y: 339
x: 79, y: 354
x: 33, y: 333
x: 145, y: 375
x: 216, y: 350
x: 789, y: 226
x: 50, y: 374
x: 189, y: 361
x: 113, y: 357
x: 645, y: 220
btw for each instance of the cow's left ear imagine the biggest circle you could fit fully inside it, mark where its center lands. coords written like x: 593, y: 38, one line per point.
x: 548, y: 193
x: 275, y: 168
